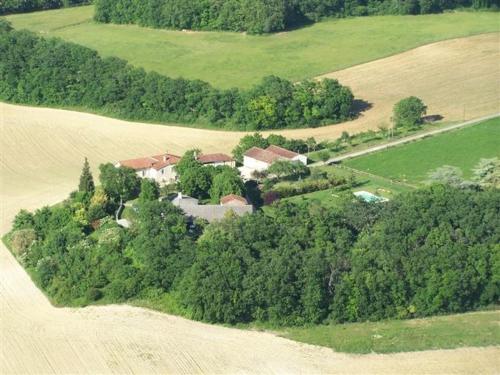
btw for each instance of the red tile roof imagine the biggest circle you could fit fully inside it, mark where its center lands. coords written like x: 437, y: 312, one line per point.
x: 157, y: 162
x: 233, y: 197
x: 214, y: 158
x: 283, y: 152
x: 262, y: 155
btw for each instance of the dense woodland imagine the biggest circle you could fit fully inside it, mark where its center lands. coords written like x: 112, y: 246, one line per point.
x: 24, y: 6
x: 431, y: 251
x: 35, y: 70
x: 261, y: 16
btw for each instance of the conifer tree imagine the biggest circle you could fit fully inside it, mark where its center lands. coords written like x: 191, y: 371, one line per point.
x: 86, y: 184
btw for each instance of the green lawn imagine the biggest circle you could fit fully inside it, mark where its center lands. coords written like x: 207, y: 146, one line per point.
x: 411, y: 162
x: 441, y: 332
x: 374, y: 184
x: 235, y: 59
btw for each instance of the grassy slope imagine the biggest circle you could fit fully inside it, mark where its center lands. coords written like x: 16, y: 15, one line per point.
x: 441, y: 332
x: 234, y: 59
x: 411, y: 162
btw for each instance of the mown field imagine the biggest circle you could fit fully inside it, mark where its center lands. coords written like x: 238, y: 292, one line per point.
x: 461, y: 148
x: 235, y: 59
x: 440, y: 332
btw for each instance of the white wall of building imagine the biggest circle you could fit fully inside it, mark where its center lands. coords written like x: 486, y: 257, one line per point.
x: 301, y: 158
x: 254, y: 164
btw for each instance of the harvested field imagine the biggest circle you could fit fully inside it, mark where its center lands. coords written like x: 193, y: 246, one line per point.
x: 41, y: 156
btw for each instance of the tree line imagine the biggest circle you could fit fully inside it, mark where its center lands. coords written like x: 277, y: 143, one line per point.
x: 35, y: 70
x: 261, y: 16
x: 24, y: 6
x: 431, y: 251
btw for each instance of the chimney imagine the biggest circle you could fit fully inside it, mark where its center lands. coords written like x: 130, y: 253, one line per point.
x: 179, y: 195
x: 165, y: 157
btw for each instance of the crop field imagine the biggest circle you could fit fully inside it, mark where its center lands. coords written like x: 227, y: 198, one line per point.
x: 461, y: 148
x: 238, y: 60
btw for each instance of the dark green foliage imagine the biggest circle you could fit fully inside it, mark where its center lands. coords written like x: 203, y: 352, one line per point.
x: 259, y: 16
x: 150, y: 191
x: 199, y: 181
x: 163, y: 248
x: 426, y: 252
x: 24, y: 6
x: 86, y: 184
x: 52, y: 72
x: 262, y: 268
x: 408, y: 112
x: 120, y: 184
x: 225, y: 183
x: 23, y: 220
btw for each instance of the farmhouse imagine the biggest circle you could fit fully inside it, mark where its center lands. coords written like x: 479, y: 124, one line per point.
x: 212, y: 212
x: 159, y: 168
x: 216, y: 160
x: 258, y: 159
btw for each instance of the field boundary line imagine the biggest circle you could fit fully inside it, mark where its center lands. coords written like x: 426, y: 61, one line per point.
x: 405, y: 140
x: 393, y: 182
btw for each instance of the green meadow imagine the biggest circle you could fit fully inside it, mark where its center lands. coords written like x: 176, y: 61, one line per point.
x: 411, y: 162
x: 239, y: 60
x: 440, y: 332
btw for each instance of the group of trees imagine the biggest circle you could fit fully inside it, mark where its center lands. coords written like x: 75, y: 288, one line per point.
x: 486, y: 174
x: 202, y: 182
x: 260, y: 16
x: 52, y: 72
x: 426, y: 252
x: 24, y: 6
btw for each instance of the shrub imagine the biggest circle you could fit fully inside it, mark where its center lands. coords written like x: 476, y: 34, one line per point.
x: 21, y: 240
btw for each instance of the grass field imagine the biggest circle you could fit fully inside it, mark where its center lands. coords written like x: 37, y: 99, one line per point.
x: 461, y: 148
x: 373, y: 184
x: 441, y: 332
x: 235, y: 59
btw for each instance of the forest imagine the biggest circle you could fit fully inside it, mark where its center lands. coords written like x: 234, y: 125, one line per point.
x: 51, y: 72
x: 430, y: 251
x: 261, y: 16
x: 24, y: 6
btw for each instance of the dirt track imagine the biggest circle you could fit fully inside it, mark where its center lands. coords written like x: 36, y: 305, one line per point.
x: 41, y: 152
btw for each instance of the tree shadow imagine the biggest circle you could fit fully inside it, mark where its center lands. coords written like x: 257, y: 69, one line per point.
x: 359, y: 106
x: 432, y: 118
x: 296, y: 22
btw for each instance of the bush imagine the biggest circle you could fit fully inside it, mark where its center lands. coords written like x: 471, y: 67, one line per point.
x: 21, y: 240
